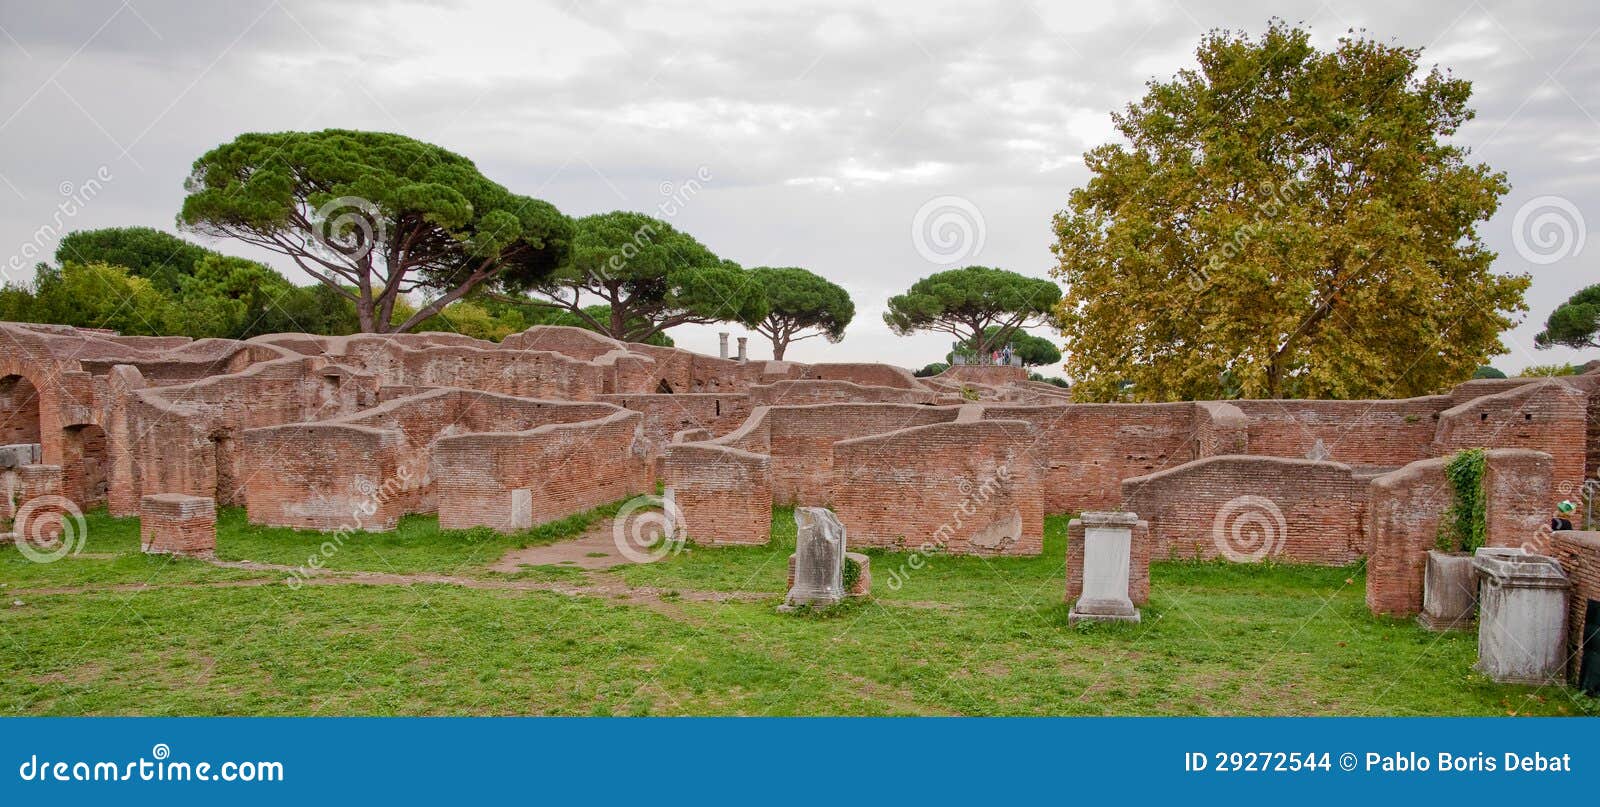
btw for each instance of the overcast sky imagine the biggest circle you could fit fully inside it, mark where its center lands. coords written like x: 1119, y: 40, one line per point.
x: 816, y: 133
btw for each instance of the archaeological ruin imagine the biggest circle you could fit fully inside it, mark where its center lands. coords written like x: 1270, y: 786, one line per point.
x: 352, y: 433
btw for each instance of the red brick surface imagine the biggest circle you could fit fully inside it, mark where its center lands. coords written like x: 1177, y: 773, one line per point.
x: 172, y: 523
x: 1579, y: 553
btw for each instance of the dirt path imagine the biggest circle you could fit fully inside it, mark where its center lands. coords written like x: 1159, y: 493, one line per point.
x: 594, y: 550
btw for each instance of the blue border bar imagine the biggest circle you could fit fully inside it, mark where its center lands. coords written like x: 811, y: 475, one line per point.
x: 800, y: 760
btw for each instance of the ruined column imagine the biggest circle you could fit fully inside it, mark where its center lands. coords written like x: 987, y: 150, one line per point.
x: 1107, y: 551
x: 818, y: 559
x: 722, y: 339
x: 742, y: 341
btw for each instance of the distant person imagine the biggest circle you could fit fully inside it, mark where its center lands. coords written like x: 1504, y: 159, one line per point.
x: 1563, y: 516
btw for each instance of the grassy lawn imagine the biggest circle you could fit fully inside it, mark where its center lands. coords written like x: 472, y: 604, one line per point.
x: 957, y: 636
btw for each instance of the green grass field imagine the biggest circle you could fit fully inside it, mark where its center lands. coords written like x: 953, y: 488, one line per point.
x: 112, y: 631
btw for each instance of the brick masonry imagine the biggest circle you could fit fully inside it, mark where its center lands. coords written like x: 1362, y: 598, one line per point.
x: 1579, y: 553
x: 172, y: 523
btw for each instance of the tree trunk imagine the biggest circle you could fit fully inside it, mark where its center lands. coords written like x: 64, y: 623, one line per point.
x: 778, y: 346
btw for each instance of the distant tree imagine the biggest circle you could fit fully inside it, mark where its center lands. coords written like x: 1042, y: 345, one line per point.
x: 1300, y: 222
x: 799, y: 301
x: 1055, y: 381
x: 99, y: 295
x: 162, y: 258
x: 650, y: 277
x: 1547, y: 370
x: 932, y: 370
x: 1487, y: 372
x: 375, y: 217
x: 980, y: 306
x: 1034, y: 351
x: 1575, y: 323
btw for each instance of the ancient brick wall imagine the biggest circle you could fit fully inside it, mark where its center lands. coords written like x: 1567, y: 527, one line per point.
x: 724, y: 494
x: 326, y: 476
x: 1086, y: 450
x: 1579, y: 553
x: 1138, y: 562
x: 865, y: 374
x: 1248, y: 508
x: 994, y: 375
x: 1549, y: 416
x: 1220, y: 428
x: 803, y: 392
x: 800, y: 440
x: 1386, y: 434
x: 964, y: 488
x: 577, y: 343
x: 19, y: 411
x: 666, y: 415
x: 1405, y: 507
x: 510, y: 481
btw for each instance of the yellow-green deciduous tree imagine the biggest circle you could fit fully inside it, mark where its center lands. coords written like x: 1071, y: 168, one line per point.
x: 1284, y: 222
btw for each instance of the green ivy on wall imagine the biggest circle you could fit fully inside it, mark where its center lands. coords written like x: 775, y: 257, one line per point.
x: 1465, y: 525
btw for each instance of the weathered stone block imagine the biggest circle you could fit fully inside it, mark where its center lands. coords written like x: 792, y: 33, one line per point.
x: 819, y: 559
x: 1107, y: 553
x: 1522, y: 626
x: 1449, y: 591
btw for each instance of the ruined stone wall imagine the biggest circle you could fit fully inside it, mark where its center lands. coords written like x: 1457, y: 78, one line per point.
x: 1405, y: 506
x: 994, y: 375
x: 529, y: 374
x: 800, y: 440
x: 1249, y: 508
x: 1220, y: 428
x: 724, y: 494
x: 401, y: 477
x: 966, y: 488
x: 510, y: 481
x: 1385, y: 434
x: 1549, y: 416
x: 865, y: 374
x: 802, y: 392
x: 666, y: 415
x: 1579, y: 553
x: 19, y: 411
x: 1086, y: 450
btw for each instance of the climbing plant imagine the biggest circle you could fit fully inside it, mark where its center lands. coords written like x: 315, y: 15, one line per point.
x: 851, y: 573
x: 1464, y: 527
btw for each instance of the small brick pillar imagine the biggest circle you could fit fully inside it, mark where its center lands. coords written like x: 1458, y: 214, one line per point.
x: 178, y: 524
x: 37, y: 489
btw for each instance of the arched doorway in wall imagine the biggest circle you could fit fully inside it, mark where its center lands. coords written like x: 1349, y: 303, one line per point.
x: 19, y: 411
x: 85, y: 464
